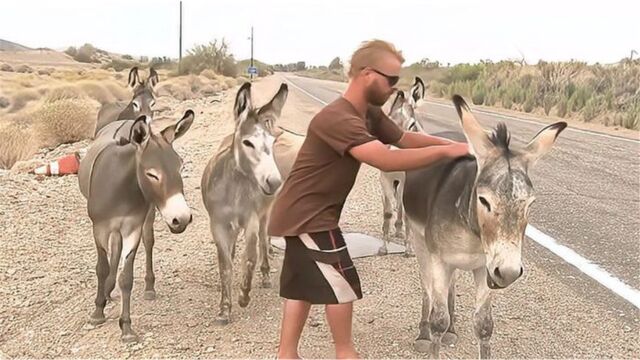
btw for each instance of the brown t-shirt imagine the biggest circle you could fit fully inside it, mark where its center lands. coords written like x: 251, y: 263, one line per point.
x: 324, y: 172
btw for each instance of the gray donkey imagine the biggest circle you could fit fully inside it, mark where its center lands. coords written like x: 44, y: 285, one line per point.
x: 470, y: 214
x: 238, y: 188
x: 402, y: 112
x: 127, y: 173
x: 141, y: 103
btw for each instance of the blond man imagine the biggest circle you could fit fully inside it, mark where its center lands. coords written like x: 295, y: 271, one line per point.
x: 317, y: 268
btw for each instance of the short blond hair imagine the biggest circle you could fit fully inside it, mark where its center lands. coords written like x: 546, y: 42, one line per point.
x: 368, y: 54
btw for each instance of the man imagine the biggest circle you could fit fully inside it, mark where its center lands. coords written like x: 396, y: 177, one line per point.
x: 317, y: 268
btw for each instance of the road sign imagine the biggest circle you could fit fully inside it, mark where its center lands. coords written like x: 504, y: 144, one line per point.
x: 252, y: 70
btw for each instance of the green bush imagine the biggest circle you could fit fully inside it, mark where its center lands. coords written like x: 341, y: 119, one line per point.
x: 215, y: 56
x: 479, y: 94
x: 529, y: 104
x: 563, y: 107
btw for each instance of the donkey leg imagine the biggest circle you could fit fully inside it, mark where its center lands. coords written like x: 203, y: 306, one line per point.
x: 408, y: 243
x: 101, y: 235
x: 387, y: 211
x: 451, y: 337
x: 114, y: 261
x: 482, y: 319
x: 399, y: 191
x: 224, y: 238
x: 130, y: 247
x: 423, y: 343
x: 148, y: 239
x: 439, y: 318
x: 249, y: 261
x: 265, y: 244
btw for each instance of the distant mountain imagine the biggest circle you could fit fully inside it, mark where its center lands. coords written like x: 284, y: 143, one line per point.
x: 11, y: 46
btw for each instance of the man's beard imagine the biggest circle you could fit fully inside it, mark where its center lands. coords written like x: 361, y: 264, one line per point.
x: 375, y: 98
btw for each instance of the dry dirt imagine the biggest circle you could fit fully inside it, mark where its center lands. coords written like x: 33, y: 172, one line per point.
x: 47, y: 280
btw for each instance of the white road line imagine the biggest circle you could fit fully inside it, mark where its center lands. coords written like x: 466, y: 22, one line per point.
x: 568, y: 255
x: 633, y: 141
x: 589, y: 268
x: 305, y: 92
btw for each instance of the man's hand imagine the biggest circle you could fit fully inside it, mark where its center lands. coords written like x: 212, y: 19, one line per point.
x: 378, y: 155
x: 459, y: 149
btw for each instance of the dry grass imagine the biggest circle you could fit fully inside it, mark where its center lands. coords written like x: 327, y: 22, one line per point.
x: 193, y: 86
x: 59, y: 105
x: 18, y: 142
x: 21, y: 98
x: 61, y: 121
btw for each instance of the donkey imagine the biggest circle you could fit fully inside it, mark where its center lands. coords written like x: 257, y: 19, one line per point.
x: 470, y: 213
x: 141, y: 104
x: 124, y: 176
x: 238, y: 188
x: 402, y: 112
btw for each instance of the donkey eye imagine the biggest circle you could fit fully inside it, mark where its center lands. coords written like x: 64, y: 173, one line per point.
x: 485, y: 203
x: 248, y: 144
x: 153, y: 176
x: 152, y: 103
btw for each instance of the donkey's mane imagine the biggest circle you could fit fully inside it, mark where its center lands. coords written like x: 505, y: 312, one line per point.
x: 501, y: 137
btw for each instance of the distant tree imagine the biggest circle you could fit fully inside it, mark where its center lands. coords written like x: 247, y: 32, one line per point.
x: 335, y: 64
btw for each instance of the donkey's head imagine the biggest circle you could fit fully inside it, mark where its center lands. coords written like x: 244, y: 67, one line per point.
x: 143, y: 95
x: 503, y: 191
x: 254, y: 137
x: 158, y: 168
x: 402, y: 110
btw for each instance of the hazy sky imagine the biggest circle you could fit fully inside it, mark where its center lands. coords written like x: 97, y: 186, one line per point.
x: 316, y: 31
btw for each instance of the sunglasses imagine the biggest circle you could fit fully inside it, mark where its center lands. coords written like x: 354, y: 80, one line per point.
x: 392, y: 80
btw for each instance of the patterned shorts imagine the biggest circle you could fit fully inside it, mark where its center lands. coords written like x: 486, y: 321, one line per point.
x: 317, y: 268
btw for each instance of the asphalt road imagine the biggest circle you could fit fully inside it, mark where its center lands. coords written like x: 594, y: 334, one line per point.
x: 587, y: 190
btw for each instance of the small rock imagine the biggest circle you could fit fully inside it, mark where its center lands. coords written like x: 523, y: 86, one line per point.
x: 210, y: 349
x: 11, y: 271
x: 314, y: 323
x: 626, y: 328
x: 88, y: 326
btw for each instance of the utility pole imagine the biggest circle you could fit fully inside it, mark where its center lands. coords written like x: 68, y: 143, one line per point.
x: 180, y: 44
x: 251, y: 75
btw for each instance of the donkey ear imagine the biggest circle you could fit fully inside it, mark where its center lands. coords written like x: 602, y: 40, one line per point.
x: 171, y: 133
x: 397, y: 102
x: 542, y: 143
x: 243, y: 101
x: 277, y: 103
x: 479, y: 143
x: 153, y: 77
x: 140, y: 131
x: 134, y: 78
x: 418, y: 90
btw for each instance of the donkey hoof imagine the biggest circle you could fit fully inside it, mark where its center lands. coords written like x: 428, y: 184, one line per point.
x: 449, y: 339
x: 383, y: 251
x: 150, y: 295
x: 129, y: 338
x: 266, y: 284
x: 409, y: 254
x: 243, y: 301
x: 400, y: 235
x: 422, y: 345
x: 96, y: 320
x: 221, y: 321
